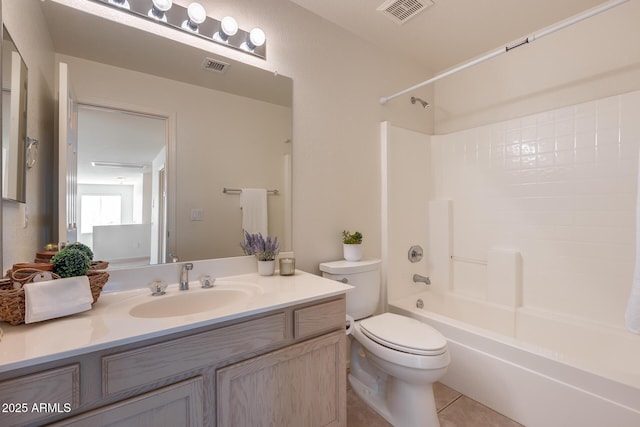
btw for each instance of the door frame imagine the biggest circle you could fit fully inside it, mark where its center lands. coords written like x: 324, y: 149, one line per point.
x: 170, y: 162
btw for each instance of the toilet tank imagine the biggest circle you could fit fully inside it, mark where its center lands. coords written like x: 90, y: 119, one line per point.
x: 364, y: 276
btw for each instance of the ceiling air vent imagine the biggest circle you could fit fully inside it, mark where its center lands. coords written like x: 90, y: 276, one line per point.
x: 400, y: 11
x: 215, y: 65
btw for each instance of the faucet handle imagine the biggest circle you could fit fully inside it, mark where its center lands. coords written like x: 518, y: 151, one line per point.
x: 207, y: 281
x: 157, y: 287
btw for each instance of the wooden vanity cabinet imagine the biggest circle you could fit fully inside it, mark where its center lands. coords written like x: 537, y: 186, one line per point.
x: 300, y: 385
x: 285, y: 367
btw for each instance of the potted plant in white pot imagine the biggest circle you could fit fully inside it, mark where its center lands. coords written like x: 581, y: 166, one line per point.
x: 352, y: 245
x: 265, y: 250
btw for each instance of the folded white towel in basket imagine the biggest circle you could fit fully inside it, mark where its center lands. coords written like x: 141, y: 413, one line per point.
x: 56, y: 298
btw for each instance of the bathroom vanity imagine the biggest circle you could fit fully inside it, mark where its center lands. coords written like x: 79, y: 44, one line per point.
x: 276, y: 359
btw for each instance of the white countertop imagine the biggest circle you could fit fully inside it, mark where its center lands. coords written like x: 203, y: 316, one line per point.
x: 109, y: 323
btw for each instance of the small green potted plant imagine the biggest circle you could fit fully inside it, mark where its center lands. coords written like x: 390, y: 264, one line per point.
x: 73, y: 260
x: 264, y: 249
x: 352, y: 245
x: 70, y: 263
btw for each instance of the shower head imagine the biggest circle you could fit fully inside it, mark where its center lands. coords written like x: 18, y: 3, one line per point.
x: 422, y: 102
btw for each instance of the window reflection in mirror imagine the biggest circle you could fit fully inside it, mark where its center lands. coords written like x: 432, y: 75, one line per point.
x: 14, y: 121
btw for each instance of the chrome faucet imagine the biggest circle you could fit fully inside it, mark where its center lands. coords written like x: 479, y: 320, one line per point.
x: 184, y: 276
x: 418, y: 278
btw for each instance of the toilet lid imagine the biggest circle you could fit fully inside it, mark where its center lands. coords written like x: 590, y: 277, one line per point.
x: 404, y: 334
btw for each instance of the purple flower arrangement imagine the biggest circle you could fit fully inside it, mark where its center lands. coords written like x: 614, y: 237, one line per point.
x: 263, y: 249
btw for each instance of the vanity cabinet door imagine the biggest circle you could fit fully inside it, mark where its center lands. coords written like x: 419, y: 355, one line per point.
x: 178, y: 405
x: 300, y: 385
x: 37, y: 396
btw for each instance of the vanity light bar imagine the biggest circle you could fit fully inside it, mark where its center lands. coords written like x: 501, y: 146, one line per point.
x: 190, y: 20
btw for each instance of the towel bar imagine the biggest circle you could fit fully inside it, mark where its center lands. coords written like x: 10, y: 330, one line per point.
x: 226, y: 190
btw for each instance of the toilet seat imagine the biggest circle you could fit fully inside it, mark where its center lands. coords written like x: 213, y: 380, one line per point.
x: 404, y: 334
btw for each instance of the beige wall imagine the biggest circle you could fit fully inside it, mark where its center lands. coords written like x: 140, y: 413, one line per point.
x: 593, y: 59
x: 338, y: 80
x: 33, y: 42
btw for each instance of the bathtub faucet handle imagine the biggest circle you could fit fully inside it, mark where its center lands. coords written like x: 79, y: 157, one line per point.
x: 418, y: 278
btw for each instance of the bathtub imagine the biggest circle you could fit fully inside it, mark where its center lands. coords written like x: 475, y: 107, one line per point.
x: 537, y: 368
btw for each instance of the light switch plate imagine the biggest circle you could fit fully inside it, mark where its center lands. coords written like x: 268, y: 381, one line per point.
x: 197, y: 215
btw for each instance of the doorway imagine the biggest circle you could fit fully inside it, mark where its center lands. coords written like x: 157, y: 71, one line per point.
x: 121, y: 184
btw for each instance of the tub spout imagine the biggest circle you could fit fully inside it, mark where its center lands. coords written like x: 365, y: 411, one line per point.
x: 418, y: 278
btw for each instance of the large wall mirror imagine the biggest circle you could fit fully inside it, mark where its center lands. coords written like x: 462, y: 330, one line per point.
x: 160, y: 136
x: 14, y: 120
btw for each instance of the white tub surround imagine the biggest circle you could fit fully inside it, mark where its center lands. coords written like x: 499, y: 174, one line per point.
x: 109, y: 323
x: 560, y: 187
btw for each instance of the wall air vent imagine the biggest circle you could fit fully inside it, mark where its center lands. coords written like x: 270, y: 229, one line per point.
x: 215, y: 65
x: 400, y: 11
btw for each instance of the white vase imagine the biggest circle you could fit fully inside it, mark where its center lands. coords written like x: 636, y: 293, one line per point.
x: 352, y: 252
x: 266, y: 268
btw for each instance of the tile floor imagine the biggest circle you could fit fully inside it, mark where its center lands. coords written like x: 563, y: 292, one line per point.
x: 454, y: 410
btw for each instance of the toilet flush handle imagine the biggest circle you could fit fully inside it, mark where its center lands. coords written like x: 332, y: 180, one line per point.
x: 344, y: 280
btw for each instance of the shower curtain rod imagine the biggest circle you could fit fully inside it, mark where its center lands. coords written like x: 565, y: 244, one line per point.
x: 602, y: 8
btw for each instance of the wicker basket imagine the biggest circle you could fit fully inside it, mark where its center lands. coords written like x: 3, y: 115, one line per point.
x: 12, y: 306
x: 99, y: 265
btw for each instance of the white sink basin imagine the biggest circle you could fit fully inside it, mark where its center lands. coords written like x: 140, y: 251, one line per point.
x: 183, y: 303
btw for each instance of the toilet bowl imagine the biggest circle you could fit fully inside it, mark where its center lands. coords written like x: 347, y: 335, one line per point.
x: 395, y: 378
x: 394, y: 359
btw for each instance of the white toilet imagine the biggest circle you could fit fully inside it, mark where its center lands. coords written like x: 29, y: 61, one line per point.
x: 394, y: 359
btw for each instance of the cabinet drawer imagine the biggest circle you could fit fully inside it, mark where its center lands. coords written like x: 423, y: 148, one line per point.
x: 176, y: 405
x: 148, y: 365
x: 319, y: 318
x: 40, y: 395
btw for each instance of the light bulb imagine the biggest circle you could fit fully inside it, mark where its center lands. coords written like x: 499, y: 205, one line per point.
x: 257, y: 37
x: 197, y: 15
x: 162, y: 5
x: 159, y: 8
x: 228, y: 27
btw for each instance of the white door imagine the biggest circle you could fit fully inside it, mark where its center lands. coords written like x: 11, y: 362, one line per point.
x: 67, y: 158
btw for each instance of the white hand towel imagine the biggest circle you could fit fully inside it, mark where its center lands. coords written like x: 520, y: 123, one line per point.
x: 253, y: 202
x: 632, y: 316
x: 56, y: 298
